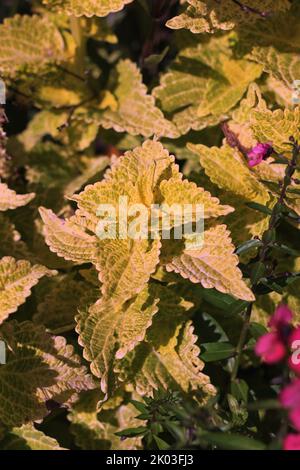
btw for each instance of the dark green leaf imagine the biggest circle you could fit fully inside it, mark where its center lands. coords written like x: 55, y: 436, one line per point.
x: 131, y: 432
x: 217, y: 351
x: 232, y: 441
x: 249, y: 245
x: 161, y: 444
x: 259, y: 207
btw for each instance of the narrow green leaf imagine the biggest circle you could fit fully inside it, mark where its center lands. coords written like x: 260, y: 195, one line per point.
x: 257, y: 330
x: 259, y: 207
x: 248, y: 245
x: 232, y: 441
x: 131, y: 432
x: 161, y: 444
x: 217, y: 351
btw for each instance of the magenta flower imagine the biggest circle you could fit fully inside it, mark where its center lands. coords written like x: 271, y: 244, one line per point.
x: 282, y: 317
x: 295, y: 418
x: 270, y: 348
x: 290, y: 395
x: 291, y: 442
x: 258, y: 153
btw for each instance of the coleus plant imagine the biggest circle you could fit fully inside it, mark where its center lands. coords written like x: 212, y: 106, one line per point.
x: 97, y: 328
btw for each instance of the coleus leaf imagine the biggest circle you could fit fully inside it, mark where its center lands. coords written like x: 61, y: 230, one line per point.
x: 94, y: 428
x: 174, y: 191
x: 57, y: 309
x: 209, y: 16
x: 11, y: 239
x: 133, y: 110
x: 39, y: 367
x: 9, y: 199
x: 29, y: 43
x: 282, y: 66
x: 214, y: 265
x: 226, y: 168
x: 109, y: 332
x: 274, y: 44
x: 203, y: 84
x: 87, y: 7
x: 43, y: 123
x: 168, y: 359
x: 276, y: 126
x: 28, y: 438
x: 124, y: 265
x: 16, y: 280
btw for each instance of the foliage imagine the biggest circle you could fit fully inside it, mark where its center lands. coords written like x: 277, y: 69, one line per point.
x: 146, y: 342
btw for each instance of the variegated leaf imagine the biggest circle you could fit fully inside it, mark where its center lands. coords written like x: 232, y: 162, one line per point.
x: 38, y: 368
x: 214, y: 265
x: 16, y: 280
x: 87, y: 7
x: 29, y: 43
x: 28, y: 438
x: 209, y: 16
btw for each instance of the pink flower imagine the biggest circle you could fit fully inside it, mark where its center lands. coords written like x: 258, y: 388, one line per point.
x: 290, y: 395
x: 282, y: 317
x: 291, y: 442
x: 258, y: 153
x: 295, y: 418
x: 270, y: 348
x: 294, y: 359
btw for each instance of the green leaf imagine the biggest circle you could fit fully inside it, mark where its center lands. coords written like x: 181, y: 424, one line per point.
x: 257, y: 330
x: 87, y: 7
x: 132, y: 432
x: 217, y: 351
x: 204, y: 83
x: 28, y: 438
x: 141, y: 407
x: 161, y: 444
x: 132, y: 109
x: 96, y: 426
x: 259, y: 207
x: 240, y: 390
x: 230, y: 441
x: 38, y: 368
x: 248, y: 245
x: 29, y: 44
x: 210, y: 16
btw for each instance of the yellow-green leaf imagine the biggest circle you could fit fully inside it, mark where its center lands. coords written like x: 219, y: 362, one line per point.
x: 135, y: 111
x: 214, y: 265
x: 28, y: 438
x: 226, y: 168
x: 9, y: 199
x: 209, y: 16
x: 29, y: 43
x: 87, y: 7
x: 94, y: 428
x: 38, y: 368
x: 109, y: 332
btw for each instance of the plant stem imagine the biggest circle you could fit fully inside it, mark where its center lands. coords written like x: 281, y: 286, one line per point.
x: 248, y: 9
x: 268, y: 240
x: 80, y: 40
x: 241, y: 342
